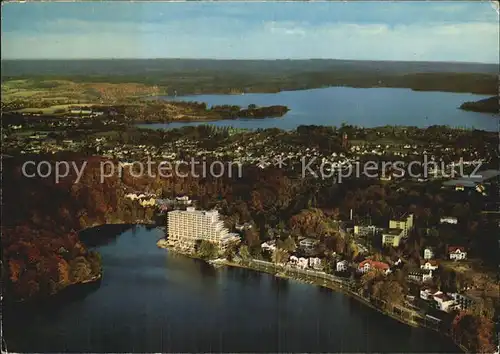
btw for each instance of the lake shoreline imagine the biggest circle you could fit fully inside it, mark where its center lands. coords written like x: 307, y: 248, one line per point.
x: 201, y: 120
x: 91, y: 296
x: 91, y: 280
x: 313, y: 87
x: 332, y: 106
x: 344, y: 290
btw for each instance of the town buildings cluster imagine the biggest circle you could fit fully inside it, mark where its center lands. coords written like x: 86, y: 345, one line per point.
x: 253, y: 149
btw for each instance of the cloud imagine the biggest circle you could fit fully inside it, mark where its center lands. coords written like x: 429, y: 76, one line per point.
x: 287, y: 28
x: 230, y: 38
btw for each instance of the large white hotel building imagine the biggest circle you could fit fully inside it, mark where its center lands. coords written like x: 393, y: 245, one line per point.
x: 185, y: 228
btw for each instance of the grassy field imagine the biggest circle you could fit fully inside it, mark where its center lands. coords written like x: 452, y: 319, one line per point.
x: 52, y: 109
x: 48, y: 96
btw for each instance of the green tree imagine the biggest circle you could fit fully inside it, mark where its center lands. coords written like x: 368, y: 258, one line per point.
x: 369, y: 279
x: 389, y: 290
x: 244, y: 253
x: 289, y: 244
x: 484, y: 307
x: 280, y: 256
x: 80, y: 270
x: 95, y: 262
x: 207, y: 250
x: 229, y: 253
x: 251, y: 237
x: 328, y: 266
x: 476, y: 333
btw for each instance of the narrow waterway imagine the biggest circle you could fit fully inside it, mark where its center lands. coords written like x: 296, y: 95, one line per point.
x: 151, y: 300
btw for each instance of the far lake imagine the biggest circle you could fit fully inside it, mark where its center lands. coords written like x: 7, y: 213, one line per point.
x: 151, y: 300
x: 368, y: 107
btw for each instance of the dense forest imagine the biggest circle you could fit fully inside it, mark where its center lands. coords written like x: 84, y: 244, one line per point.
x: 182, y: 76
x: 43, y: 254
x: 488, y: 105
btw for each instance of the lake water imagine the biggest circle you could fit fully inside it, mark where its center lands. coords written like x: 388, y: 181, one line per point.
x: 153, y: 301
x: 368, y: 107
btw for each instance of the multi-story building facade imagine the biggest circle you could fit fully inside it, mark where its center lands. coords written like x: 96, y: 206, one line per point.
x: 464, y: 301
x: 405, y: 223
x: 392, y: 237
x: 364, y: 230
x: 186, y: 228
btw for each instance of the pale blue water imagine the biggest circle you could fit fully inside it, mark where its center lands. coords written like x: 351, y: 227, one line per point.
x: 370, y: 107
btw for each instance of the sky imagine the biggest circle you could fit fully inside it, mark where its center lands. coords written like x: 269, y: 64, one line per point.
x: 410, y: 31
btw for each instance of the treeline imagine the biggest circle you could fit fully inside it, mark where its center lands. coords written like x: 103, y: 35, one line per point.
x: 252, y: 111
x: 226, y: 76
x: 168, y: 111
x: 476, y: 333
x: 43, y: 262
x: 42, y: 253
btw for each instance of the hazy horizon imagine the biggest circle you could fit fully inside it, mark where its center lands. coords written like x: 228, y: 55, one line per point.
x: 465, y: 32
x: 252, y: 59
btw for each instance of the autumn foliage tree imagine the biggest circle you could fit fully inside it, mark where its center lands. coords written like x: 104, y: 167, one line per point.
x: 474, y: 332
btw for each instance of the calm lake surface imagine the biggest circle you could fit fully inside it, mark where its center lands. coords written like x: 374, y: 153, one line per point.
x: 371, y: 107
x: 153, y: 301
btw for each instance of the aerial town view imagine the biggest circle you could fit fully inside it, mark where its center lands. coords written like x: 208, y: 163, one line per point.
x: 254, y: 177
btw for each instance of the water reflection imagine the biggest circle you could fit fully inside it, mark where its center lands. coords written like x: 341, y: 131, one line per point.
x: 280, y: 285
x: 104, y: 234
x: 151, y: 300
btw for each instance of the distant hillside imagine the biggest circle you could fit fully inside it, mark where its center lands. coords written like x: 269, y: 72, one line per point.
x: 487, y: 105
x: 185, y: 76
x: 169, y: 66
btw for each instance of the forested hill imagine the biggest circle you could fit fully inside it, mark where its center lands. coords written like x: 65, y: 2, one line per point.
x: 488, y: 105
x: 171, y: 66
x: 188, y: 76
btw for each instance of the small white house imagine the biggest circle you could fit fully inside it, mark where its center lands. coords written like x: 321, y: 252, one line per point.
x: 457, y: 253
x: 427, y: 293
x: 448, y: 220
x: 428, y: 253
x: 420, y: 275
x: 242, y: 227
x: 302, y: 263
x: 342, y: 266
x: 315, y: 263
x: 131, y: 196
x: 445, y: 302
x: 429, y: 265
x: 184, y: 200
x: 269, y: 246
x: 308, y: 244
